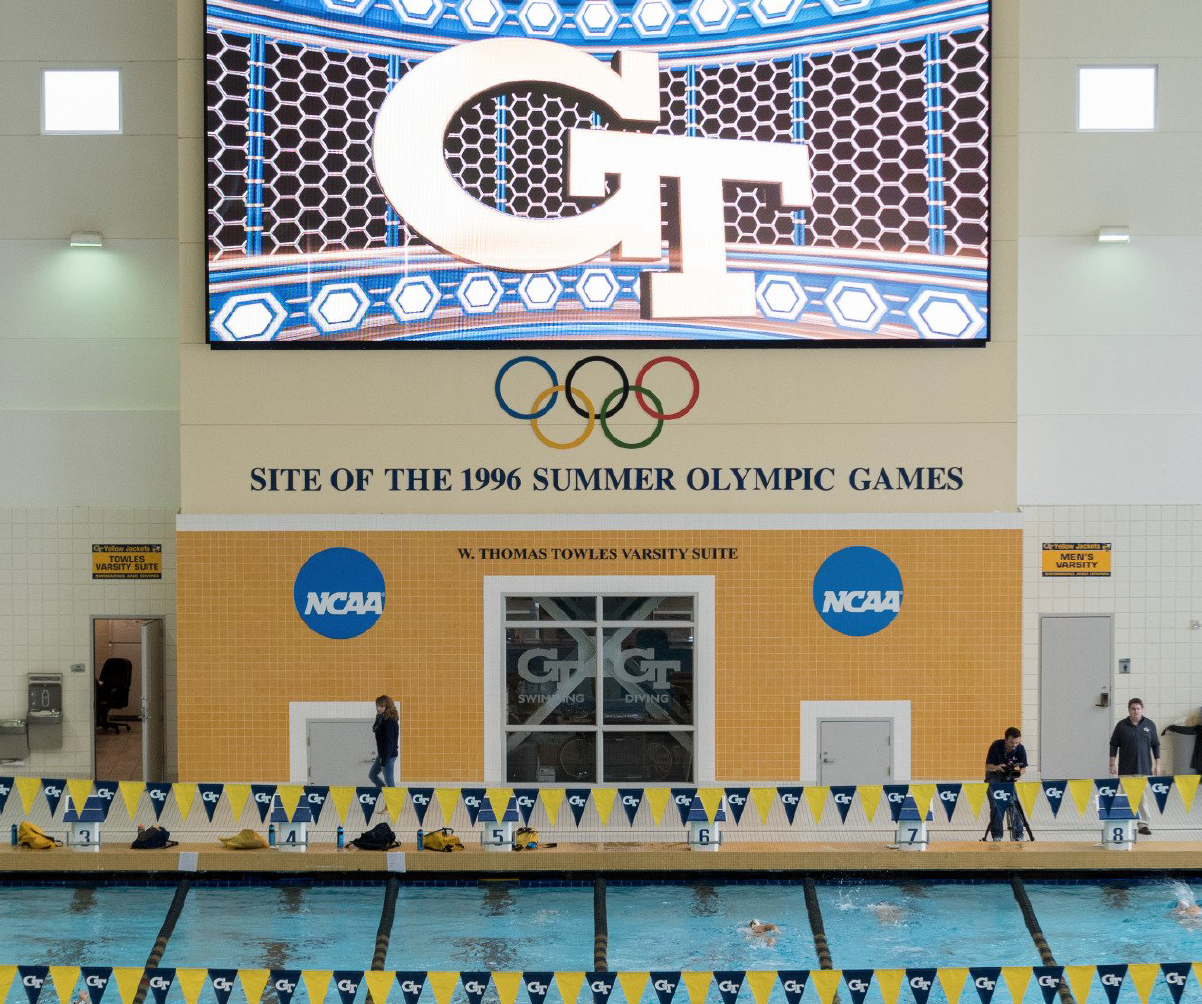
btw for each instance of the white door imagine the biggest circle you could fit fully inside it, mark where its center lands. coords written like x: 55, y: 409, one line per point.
x: 1075, y: 658
x: 855, y: 750
x: 154, y: 765
x: 340, y: 750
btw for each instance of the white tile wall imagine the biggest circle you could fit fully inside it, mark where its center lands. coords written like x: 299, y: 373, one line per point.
x: 47, y: 600
x: 1154, y: 592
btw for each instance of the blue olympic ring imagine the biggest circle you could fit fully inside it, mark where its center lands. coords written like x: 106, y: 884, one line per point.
x: 526, y: 416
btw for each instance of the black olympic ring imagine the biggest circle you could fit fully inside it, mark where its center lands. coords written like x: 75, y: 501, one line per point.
x: 568, y: 393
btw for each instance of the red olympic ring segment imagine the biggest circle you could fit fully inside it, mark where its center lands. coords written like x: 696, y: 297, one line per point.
x: 613, y: 403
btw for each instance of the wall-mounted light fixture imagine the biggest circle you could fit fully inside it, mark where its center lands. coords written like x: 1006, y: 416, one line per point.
x: 1114, y: 235
x: 87, y: 239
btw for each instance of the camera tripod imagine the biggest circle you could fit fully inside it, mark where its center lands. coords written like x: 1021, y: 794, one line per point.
x: 1013, y: 812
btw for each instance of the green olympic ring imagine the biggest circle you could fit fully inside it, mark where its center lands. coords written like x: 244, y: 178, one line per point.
x: 659, y: 422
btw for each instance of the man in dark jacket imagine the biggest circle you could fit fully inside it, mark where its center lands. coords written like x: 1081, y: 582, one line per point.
x: 1195, y: 760
x: 1135, y: 746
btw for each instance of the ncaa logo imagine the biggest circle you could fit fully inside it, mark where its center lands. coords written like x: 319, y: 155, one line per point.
x: 858, y: 591
x: 339, y: 593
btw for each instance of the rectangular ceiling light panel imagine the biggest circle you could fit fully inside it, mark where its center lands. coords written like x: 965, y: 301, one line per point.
x: 81, y: 101
x: 1116, y: 98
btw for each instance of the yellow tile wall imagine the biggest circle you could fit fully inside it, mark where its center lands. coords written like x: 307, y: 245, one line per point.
x: 954, y: 650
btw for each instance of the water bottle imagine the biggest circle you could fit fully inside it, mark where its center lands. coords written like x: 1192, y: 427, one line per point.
x: 421, y: 839
x: 271, y: 835
x: 340, y: 837
x: 14, y: 834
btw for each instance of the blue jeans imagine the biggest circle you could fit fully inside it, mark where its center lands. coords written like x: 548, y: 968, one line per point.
x: 385, y: 766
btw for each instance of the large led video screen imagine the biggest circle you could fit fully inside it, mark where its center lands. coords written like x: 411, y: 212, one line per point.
x: 508, y: 172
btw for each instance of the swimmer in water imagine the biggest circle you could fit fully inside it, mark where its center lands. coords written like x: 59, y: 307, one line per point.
x: 1186, y: 908
x: 887, y: 913
x: 763, y: 930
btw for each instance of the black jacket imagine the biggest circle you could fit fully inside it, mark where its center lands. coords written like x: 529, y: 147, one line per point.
x: 388, y: 733
x: 1195, y: 760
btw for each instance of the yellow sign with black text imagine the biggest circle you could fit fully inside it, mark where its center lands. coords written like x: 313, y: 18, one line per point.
x: 1076, y: 560
x: 127, y: 561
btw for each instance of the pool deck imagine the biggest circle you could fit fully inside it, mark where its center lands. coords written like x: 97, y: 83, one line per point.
x: 616, y: 859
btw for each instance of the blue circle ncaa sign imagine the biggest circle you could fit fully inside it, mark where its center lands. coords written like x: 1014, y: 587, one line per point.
x: 858, y: 591
x: 339, y: 593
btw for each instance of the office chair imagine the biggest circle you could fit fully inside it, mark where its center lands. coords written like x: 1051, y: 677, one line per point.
x: 112, y: 692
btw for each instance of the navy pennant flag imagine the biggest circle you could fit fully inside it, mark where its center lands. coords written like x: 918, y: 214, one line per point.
x: 601, y: 985
x: 261, y: 795
x: 473, y: 801
x: 1111, y: 978
x: 410, y: 982
x: 210, y: 795
x: 315, y: 798
x: 1053, y: 791
x: 729, y: 982
x: 948, y: 795
x: 474, y: 985
x: 284, y: 983
x: 223, y: 983
x: 420, y: 797
x: 736, y: 798
x: 32, y: 979
x: 1159, y: 786
x: 1107, y: 787
x: 367, y: 797
x: 105, y: 792
x: 920, y: 982
x: 95, y: 980
x: 683, y: 799
x: 577, y: 799
x: 537, y: 985
x: 664, y: 984
x: 157, y: 793
x: 631, y: 799
x: 159, y: 981
x: 525, y: 799
x: 793, y: 983
x: 52, y: 788
x: 858, y: 981
x: 843, y: 794
x: 1048, y: 978
x: 1175, y: 975
x: 895, y: 795
x: 985, y: 980
x: 1001, y: 794
x: 346, y: 982
x: 6, y: 786
x: 790, y: 798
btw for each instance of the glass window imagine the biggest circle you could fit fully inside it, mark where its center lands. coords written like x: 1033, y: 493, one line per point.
x: 648, y: 676
x: 550, y: 608
x: 549, y: 675
x: 644, y: 608
x: 551, y: 757
x: 81, y: 101
x: 1119, y: 98
x: 648, y: 756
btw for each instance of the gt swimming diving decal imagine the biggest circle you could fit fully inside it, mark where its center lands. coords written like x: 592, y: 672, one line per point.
x: 858, y: 591
x: 339, y: 593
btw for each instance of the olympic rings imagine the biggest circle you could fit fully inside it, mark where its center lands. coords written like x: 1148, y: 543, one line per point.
x: 614, y: 401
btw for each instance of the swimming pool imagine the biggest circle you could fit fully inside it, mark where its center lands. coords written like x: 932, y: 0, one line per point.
x: 547, y: 926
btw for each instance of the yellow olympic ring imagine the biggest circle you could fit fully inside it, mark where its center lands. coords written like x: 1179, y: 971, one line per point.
x: 588, y: 429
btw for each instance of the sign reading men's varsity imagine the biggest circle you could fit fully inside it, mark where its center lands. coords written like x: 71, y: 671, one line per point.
x: 720, y: 172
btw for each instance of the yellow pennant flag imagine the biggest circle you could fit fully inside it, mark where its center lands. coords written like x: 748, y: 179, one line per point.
x: 1187, y: 787
x: 1198, y: 972
x: 343, y: 797
x: 185, y: 794
x: 603, y: 799
x: 447, y: 799
x: 1027, y: 792
x: 870, y: 797
x: 191, y: 983
x: 633, y: 985
x: 28, y: 788
x: 290, y: 796
x: 507, y: 985
x: 569, y: 983
x: 394, y: 802
x: 79, y: 789
x: 1081, y: 789
x: 317, y: 982
x: 816, y: 798
x: 974, y: 794
x: 1133, y: 788
x: 442, y: 982
x: 131, y: 795
x: 1143, y: 975
x: 656, y: 799
x: 236, y: 795
x: 761, y: 982
x: 379, y: 984
x: 253, y: 981
x: 697, y: 983
x: 6, y: 980
x: 64, y: 979
x: 922, y: 795
x: 953, y: 980
x: 826, y: 982
x: 1017, y: 978
x: 889, y: 981
x: 711, y: 799
x: 764, y: 799
x: 1079, y: 979
x: 552, y: 799
x: 127, y: 979
x: 498, y: 798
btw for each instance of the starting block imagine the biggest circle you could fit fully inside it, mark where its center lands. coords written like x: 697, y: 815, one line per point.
x: 83, y: 832
x: 291, y: 834
x: 912, y: 832
x: 497, y: 834
x: 1118, y: 824
x: 703, y: 834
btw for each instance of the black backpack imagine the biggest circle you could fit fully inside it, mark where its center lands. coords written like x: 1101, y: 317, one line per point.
x: 379, y: 838
x: 152, y: 838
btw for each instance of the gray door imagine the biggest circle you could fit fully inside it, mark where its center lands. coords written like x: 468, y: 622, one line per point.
x: 154, y: 767
x: 340, y: 750
x: 1075, y: 716
x: 855, y: 750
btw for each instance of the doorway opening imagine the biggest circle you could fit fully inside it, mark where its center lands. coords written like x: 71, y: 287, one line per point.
x: 127, y: 698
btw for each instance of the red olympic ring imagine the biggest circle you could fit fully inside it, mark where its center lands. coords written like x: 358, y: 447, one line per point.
x: 692, y: 400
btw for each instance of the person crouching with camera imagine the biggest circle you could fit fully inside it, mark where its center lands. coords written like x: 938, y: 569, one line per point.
x: 1005, y: 761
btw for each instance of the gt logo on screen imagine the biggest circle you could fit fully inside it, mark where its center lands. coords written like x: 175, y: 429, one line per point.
x: 339, y: 593
x: 858, y: 591
x: 414, y: 174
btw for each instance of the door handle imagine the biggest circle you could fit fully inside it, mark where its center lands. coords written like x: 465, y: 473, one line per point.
x: 826, y: 758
